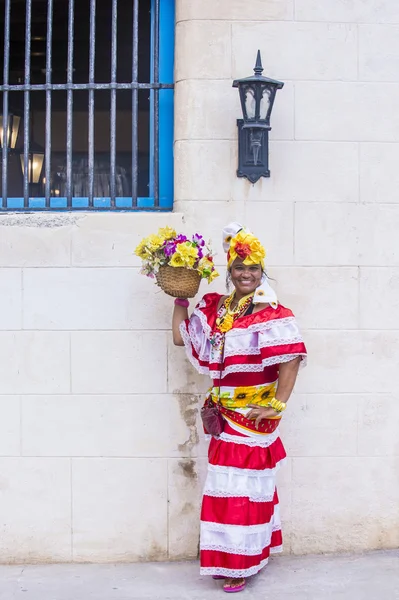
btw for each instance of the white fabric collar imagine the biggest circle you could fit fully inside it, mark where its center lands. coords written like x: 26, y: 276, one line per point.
x: 265, y: 294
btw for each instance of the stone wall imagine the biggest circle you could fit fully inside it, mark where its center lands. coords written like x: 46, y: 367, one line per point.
x: 328, y: 217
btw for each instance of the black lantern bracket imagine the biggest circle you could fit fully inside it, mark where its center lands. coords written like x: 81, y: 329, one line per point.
x: 257, y: 95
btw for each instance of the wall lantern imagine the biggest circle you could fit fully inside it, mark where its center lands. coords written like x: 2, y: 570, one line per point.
x: 257, y: 94
x: 35, y: 163
x: 12, y: 131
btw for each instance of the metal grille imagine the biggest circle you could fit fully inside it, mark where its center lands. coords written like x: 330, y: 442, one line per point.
x: 19, y: 84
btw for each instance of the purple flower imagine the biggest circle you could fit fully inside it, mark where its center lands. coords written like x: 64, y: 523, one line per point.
x: 200, y: 253
x: 169, y: 248
x: 180, y: 239
x: 198, y: 239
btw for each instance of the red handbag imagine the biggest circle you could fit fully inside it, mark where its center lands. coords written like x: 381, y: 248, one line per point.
x: 212, y: 418
x: 211, y: 415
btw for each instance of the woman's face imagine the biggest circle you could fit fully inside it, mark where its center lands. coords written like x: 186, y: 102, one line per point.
x: 245, y: 278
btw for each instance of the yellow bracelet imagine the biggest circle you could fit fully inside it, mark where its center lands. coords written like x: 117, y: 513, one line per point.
x: 277, y: 405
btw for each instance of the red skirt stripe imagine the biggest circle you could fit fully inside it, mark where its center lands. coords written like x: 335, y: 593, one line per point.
x: 229, y: 454
x: 237, y: 511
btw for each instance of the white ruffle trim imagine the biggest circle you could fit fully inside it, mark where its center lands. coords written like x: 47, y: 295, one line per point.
x: 244, y: 529
x: 228, y: 550
x: 247, y: 472
x: 258, y: 368
x: 233, y: 494
x: 264, y: 442
x: 236, y: 573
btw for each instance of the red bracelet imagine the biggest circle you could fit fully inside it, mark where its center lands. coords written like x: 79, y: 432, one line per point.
x: 182, y: 302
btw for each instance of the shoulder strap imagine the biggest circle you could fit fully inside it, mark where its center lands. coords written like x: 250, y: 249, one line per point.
x: 221, y: 368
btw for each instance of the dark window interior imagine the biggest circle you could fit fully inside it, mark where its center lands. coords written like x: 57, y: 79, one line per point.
x: 80, y: 97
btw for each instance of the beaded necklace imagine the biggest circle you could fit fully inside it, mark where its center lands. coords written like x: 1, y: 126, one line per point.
x: 226, y: 316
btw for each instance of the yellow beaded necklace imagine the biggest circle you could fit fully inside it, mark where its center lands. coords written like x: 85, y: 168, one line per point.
x: 225, y: 321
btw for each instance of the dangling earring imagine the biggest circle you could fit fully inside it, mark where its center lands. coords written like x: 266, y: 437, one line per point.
x: 228, y: 281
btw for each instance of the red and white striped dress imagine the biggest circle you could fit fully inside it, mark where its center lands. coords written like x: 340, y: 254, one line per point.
x: 240, y: 519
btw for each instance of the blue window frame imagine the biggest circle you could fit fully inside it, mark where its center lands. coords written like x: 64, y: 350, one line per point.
x: 141, y: 180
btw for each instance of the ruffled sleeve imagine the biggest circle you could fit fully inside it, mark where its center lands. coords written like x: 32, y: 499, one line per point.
x: 269, y: 337
x: 196, y: 333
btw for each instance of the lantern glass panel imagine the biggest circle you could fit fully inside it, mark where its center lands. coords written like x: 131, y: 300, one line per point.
x: 11, y: 132
x: 250, y: 102
x: 35, y: 167
x: 264, y: 111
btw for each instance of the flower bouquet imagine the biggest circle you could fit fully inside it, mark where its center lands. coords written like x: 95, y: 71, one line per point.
x: 178, y: 263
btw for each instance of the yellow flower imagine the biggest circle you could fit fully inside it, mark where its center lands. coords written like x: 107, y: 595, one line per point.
x: 264, y: 394
x: 187, y: 253
x: 247, y: 247
x: 142, y: 250
x: 167, y: 233
x: 154, y: 242
x: 244, y: 396
x: 212, y: 276
x: 177, y: 261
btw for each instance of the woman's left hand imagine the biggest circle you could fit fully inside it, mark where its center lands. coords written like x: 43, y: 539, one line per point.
x: 260, y: 412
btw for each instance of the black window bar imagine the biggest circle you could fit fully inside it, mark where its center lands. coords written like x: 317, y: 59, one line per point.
x: 91, y: 86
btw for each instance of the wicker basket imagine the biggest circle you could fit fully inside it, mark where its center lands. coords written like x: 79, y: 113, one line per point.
x: 179, y: 282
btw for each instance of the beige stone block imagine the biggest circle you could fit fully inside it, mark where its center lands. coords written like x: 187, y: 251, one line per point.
x: 378, y: 52
x: 356, y: 11
x: 119, y: 509
x: 378, y: 282
x: 342, y: 111
x: 347, y: 361
x: 313, y: 425
x: 10, y: 425
x: 34, y: 362
x: 233, y: 10
x: 109, y: 239
x: 213, y: 216
x: 204, y: 170
x: 379, y: 173
x: 10, y: 298
x: 346, y: 504
x: 292, y: 50
x: 186, y: 479
x: 320, y: 297
x: 351, y: 234
x: 209, y: 117
x: 182, y: 376
x: 378, y: 425
x: 93, y: 298
x: 110, y: 426
x: 35, y: 504
x: 273, y: 223
x: 36, y: 240
x: 214, y: 59
x: 307, y: 172
x: 119, y: 362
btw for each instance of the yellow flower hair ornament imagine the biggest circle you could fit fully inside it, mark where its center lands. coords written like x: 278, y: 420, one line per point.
x: 246, y: 246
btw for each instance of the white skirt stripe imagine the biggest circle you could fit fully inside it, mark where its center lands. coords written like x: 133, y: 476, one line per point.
x: 222, y: 469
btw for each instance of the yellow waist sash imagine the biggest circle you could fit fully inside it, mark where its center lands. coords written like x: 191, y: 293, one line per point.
x: 240, y: 397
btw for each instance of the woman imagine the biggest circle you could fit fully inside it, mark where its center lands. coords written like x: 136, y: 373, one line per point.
x: 251, y: 347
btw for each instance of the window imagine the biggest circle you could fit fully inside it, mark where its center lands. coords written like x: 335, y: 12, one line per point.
x: 87, y: 91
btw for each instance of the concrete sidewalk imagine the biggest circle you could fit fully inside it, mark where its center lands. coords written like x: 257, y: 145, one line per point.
x: 373, y: 576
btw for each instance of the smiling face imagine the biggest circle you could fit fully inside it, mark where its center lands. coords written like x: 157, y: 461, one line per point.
x: 245, y: 278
